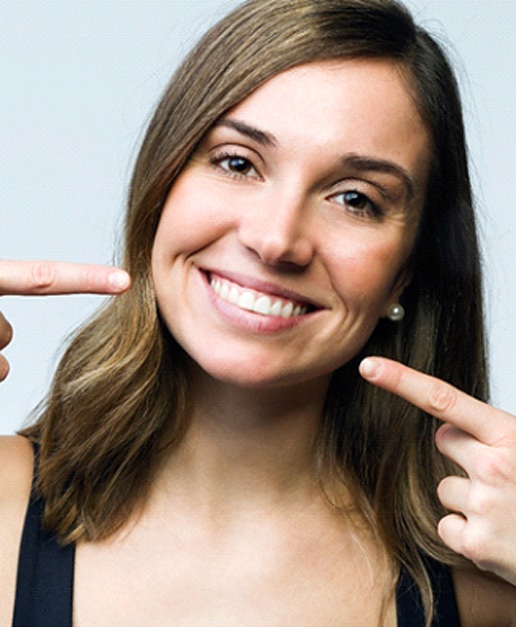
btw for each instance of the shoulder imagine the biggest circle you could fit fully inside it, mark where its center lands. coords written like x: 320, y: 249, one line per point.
x: 483, y: 599
x: 16, y: 470
x: 16, y: 463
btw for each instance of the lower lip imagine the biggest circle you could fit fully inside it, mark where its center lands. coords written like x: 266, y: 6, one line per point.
x: 249, y: 320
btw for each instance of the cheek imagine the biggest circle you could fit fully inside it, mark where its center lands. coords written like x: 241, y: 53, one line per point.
x: 365, y: 273
x: 188, y: 223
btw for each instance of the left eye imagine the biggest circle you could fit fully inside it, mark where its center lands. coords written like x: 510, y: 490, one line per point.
x: 357, y: 203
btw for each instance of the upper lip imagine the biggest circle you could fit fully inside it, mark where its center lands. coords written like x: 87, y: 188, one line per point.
x: 266, y: 287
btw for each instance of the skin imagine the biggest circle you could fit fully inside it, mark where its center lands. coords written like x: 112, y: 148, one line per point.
x: 236, y: 514
x: 481, y: 440
x: 27, y: 278
x: 284, y: 224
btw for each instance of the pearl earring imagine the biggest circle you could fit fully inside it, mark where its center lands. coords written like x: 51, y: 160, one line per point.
x: 395, y: 312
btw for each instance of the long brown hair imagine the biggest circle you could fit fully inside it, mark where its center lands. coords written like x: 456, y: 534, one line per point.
x: 120, y: 394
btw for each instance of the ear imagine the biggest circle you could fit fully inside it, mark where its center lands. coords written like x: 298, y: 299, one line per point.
x: 403, y: 279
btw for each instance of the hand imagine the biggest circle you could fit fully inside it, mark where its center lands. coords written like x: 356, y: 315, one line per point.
x: 39, y: 278
x: 482, y: 441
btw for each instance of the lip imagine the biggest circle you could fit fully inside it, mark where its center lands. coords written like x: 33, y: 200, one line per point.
x: 249, y: 320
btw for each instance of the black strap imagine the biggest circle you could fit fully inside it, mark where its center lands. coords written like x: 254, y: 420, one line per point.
x: 44, y: 589
x: 409, y: 604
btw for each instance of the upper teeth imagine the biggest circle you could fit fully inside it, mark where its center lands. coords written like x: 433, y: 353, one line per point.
x: 253, y: 301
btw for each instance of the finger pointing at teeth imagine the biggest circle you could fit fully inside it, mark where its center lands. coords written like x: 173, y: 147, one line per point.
x: 31, y: 278
x: 440, y: 399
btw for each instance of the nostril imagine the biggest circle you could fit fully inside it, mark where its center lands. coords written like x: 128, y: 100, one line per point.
x: 289, y: 255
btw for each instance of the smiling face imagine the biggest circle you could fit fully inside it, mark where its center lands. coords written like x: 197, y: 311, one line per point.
x: 286, y: 236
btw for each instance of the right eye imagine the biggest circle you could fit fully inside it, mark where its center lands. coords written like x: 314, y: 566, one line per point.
x: 235, y: 166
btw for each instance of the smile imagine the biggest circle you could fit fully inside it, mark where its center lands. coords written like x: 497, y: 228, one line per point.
x: 257, y: 302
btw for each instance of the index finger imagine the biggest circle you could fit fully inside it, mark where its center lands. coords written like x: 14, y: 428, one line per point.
x: 440, y: 399
x: 39, y: 278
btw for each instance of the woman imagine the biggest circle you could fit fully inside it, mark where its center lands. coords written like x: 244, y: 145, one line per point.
x: 209, y: 453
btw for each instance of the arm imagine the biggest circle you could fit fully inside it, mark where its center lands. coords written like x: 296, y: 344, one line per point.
x: 16, y: 458
x: 16, y: 468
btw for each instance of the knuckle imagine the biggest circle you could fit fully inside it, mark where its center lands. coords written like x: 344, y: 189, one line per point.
x: 443, y: 434
x: 398, y: 377
x: 442, y: 398
x: 443, y: 489
x: 43, y: 275
x: 492, y: 468
x: 475, y: 543
x: 90, y: 279
x: 480, y: 502
x: 4, y: 368
x: 6, y: 332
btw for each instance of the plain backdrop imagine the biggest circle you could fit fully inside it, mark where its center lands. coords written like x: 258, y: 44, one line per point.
x: 78, y: 80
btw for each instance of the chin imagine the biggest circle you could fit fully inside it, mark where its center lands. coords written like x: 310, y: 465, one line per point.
x: 260, y: 376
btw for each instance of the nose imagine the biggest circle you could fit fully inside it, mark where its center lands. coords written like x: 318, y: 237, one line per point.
x: 277, y: 230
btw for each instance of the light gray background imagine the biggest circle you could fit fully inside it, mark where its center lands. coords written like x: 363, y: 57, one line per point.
x: 77, y: 82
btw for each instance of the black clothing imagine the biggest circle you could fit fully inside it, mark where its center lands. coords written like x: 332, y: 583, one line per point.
x: 44, y: 591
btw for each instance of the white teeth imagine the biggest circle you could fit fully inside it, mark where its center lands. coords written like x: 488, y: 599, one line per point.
x: 276, y: 309
x: 246, y: 301
x: 286, y: 312
x: 259, y: 304
x: 233, y: 296
x: 263, y: 305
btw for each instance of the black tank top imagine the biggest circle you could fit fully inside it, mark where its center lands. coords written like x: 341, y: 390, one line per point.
x: 44, y: 590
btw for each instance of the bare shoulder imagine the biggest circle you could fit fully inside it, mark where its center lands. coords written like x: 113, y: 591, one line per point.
x: 484, y: 600
x: 16, y: 469
x: 16, y: 464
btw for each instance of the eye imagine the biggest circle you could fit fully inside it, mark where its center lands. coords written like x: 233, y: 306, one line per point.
x: 235, y: 165
x: 358, y: 203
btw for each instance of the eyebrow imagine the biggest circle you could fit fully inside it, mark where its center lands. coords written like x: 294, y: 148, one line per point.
x: 260, y: 137
x: 361, y: 163
x: 372, y: 164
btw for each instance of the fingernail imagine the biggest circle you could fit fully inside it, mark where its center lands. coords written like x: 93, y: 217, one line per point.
x: 118, y: 280
x: 369, y: 367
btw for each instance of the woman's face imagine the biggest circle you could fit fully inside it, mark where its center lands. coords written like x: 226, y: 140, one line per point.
x: 285, y: 238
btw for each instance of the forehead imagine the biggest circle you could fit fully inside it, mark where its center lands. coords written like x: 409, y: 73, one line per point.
x: 378, y: 85
x: 360, y: 105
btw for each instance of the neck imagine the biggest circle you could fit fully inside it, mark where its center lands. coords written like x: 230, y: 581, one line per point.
x: 246, y: 445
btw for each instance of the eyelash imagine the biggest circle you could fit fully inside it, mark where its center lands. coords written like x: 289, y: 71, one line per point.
x: 372, y: 210
x: 218, y: 160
